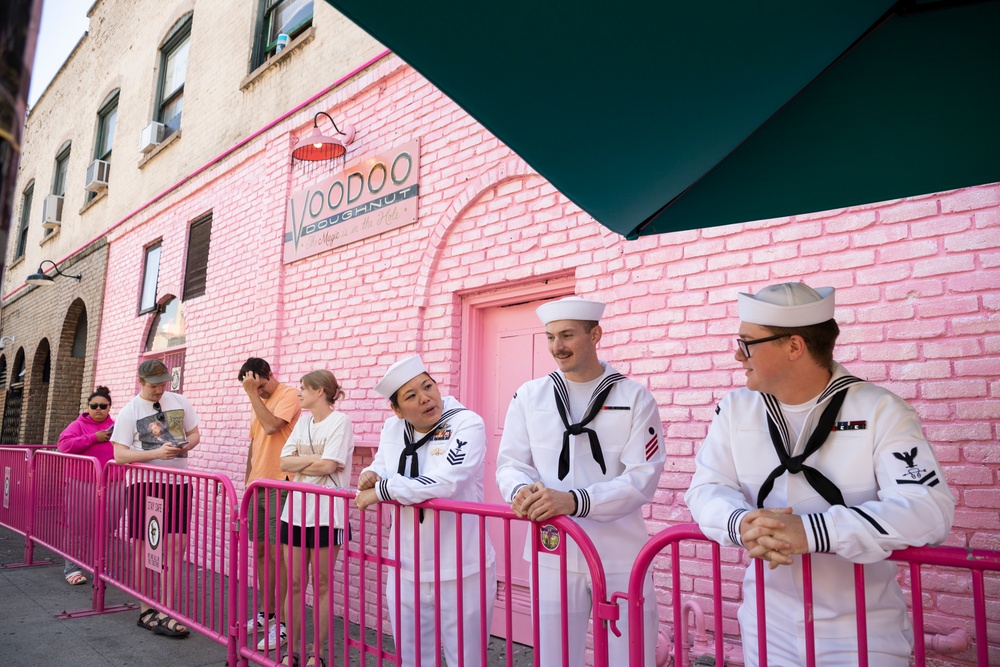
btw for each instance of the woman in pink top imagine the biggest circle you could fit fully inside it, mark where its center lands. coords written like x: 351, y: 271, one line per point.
x: 89, y: 435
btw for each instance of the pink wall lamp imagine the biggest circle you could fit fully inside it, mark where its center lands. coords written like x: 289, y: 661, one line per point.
x: 317, y: 146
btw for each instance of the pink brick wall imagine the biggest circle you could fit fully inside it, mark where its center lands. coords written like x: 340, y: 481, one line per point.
x: 917, y: 291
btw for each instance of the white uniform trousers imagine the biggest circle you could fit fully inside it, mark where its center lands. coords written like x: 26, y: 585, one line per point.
x: 429, y: 646
x: 579, y: 605
x: 786, y: 649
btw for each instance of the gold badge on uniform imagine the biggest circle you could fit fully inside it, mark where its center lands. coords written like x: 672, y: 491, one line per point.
x: 437, y: 451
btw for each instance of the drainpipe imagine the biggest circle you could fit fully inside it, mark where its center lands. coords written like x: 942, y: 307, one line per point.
x: 956, y: 641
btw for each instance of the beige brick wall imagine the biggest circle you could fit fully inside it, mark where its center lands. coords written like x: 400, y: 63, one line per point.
x: 121, y: 51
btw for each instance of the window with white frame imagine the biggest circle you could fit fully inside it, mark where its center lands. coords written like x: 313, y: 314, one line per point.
x: 173, y: 71
x: 150, y: 274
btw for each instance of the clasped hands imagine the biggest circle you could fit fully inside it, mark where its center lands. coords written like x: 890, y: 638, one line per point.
x: 773, y: 535
x: 539, y: 503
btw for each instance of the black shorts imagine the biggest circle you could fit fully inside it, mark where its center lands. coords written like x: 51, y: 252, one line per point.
x: 176, y: 507
x: 315, y: 537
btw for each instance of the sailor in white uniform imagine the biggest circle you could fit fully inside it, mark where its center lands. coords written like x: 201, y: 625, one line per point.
x: 433, y: 448
x: 810, y: 459
x: 585, y: 442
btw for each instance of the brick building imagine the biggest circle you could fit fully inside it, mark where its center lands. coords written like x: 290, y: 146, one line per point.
x: 456, y: 276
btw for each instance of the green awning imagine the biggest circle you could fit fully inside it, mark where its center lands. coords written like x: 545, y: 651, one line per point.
x: 664, y: 115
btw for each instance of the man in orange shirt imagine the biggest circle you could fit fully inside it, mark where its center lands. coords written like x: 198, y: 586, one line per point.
x: 275, y: 411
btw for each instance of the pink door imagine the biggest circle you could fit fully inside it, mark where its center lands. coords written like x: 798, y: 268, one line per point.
x: 513, y: 350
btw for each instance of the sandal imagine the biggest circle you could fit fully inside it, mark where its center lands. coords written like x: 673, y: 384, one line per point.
x: 75, y: 579
x: 161, y: 625
x: 293, y: 662
x: 313, y: 657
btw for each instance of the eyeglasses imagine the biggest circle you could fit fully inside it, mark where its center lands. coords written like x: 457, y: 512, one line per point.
x: 744, y: 345
x: 100, y: 406
x: 159, y: 412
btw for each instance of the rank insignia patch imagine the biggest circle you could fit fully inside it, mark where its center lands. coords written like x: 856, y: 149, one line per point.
x: 914, y: 474
x: 457, y: 455
x: 653, y: 445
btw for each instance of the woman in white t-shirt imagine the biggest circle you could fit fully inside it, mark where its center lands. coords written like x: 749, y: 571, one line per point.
x: 319, y: 451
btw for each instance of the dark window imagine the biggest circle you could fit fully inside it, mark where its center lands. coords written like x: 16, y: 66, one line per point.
x: 22, y: 232
x: 150, y: 274
x: 196, y: 269
x: 62, y: 164
x: 80, y: 338
x: 173, y: 70
x: 280, y: 17
x: 107, y: 117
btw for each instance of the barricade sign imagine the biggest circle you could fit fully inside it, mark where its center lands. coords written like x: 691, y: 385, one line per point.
x: 154, y: 534
x: 6, y: 487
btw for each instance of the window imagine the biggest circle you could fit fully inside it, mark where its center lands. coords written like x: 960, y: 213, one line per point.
x: 173, y: 69
x: 150, y: 274
x: 22, y: 231
x: 106, y: 120
x: 196, y: 269
x: 280, y: 17
x: 62, y: 164
x: 168, y: 328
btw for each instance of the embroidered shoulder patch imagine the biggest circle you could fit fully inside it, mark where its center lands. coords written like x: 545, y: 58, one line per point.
x: 653, y: 445
x: 456, y: 455
x: 914, y: 473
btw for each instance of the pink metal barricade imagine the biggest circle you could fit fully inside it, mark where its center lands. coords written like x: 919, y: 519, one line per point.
x: 170, y: 544
x: 17, y: 504
x: 358, y: 580
x: 975, y: 562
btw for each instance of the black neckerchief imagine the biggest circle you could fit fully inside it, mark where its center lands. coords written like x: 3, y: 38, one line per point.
x: 836, y: 391
x: 410, y: 448
x: 600, y: 395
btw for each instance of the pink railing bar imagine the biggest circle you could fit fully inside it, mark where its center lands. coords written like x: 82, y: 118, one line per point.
x: 17, y: 504
x: 978, y: 561
x: 69, y: 517
x: 203, y: 544
x: 509, y: 606
x: 808, y: 608
x: 861, y: 614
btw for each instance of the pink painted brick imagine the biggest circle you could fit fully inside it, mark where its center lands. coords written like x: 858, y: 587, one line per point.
x: 916, y: 329
x: 953, y: 389
x: 957, y: 432
x: 913, y: 289
x: 976, y: 324
x: 748, y: 240
x: 825, y: 245
x: 889, y: 352
x: 892, y: 273
x: 985, y: 278
x: 795, y: 269
x: 971, y: 198
x: 909, y: 210
x: 940, y: 226
x: 849, y: 222
x: 973, y: 240
x: 796, y: 231
x: 882, y: 235
x: 889, y: 313
x: 943, y: 265
x: 950, y: 349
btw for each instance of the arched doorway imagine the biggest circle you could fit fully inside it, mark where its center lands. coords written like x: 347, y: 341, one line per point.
x: 71, y: 362
x: 10, y: 431
x: 36, y: 392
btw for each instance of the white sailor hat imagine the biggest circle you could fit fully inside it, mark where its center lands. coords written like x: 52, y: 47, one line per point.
x: 787, y: 305
x: 570, y: 308
x: 399, y: 374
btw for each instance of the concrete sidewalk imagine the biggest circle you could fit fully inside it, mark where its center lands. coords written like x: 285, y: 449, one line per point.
x: 31, y: 635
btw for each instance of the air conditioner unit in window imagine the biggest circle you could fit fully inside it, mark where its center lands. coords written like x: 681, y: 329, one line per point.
x: 52, y: 211
x: 97, y: 175
x: 150, y: 137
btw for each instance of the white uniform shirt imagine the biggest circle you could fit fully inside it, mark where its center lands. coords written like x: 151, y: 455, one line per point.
x: 451, y: 467
x: 892, y: 483
x: 138, y: 426
x: 609, y: 505
x: 333, y: 439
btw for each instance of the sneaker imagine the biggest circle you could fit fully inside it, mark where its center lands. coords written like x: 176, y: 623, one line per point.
x: 276, y: 637
x: 260, y: 622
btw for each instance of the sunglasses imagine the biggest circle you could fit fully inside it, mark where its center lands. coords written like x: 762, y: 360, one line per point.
x: 159, y: 413
x: 100, y: 406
